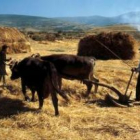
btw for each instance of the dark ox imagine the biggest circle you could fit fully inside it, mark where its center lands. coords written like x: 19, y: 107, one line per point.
x: 40, y: 76
x: 73, y: 67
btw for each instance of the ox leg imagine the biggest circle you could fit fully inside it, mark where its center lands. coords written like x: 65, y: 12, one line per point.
x: 92, y: 77
x: 96, y: 85
x: 89, y: 87
x: 55, y: 102
x: 40, y: 97
x: 33, y: 95
x: 24, y: 92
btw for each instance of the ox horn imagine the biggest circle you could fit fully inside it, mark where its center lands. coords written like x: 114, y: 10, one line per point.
x: 12, y: 63
x: 35, y: 55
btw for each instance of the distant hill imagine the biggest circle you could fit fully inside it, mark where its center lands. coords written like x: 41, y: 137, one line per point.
x: 128, y: 18
x: 33, y: 23
x: 91, y: 20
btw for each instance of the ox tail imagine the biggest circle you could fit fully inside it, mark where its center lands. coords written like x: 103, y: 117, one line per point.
x: 54, y: 80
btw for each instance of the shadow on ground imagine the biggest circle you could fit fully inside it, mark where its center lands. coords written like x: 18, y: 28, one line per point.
x: 10, y: 107
x: 100, y: 103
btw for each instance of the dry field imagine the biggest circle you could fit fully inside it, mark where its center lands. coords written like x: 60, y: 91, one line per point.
x: 79, y: 120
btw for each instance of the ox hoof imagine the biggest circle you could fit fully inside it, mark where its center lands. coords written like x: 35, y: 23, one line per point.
x: 56, y: 114
x: 38, y: 110
x: 85, y: 95
x: 33, y: 100
x: 137, y: 99
x: 27, y: 99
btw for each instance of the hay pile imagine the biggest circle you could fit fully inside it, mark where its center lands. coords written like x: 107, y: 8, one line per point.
x: 16, y: 41
x: 123, y: 45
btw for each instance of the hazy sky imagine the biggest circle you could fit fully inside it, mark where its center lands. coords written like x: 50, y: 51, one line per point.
x: 68, y: 8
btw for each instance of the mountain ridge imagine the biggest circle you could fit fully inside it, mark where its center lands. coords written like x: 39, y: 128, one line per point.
x: 66, y: 23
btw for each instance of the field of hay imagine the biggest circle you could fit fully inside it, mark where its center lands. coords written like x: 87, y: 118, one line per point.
x: 81, y: 119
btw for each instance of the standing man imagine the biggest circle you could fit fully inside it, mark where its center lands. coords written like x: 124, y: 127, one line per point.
x: 3, y: 60
x: 138, y: 82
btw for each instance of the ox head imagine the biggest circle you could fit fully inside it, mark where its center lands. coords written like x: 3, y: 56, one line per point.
x: 14, y: 69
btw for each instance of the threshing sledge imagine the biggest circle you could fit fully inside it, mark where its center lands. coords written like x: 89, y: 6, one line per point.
x: 123, y: 100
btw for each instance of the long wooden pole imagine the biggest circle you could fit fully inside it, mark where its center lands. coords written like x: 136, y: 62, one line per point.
x: 129, y: 82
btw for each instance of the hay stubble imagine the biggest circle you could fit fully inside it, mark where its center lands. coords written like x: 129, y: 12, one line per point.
x: 77, y: 120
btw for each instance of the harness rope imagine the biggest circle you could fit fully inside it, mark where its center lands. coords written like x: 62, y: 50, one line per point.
x: 113, y: 53
x: 122, y: 61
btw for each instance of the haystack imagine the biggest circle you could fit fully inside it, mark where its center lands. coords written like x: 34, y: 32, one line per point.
x: 16, y: 41
x: 108, y: 46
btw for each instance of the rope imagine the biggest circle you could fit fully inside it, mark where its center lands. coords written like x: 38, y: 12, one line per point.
x: 113, y: 53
